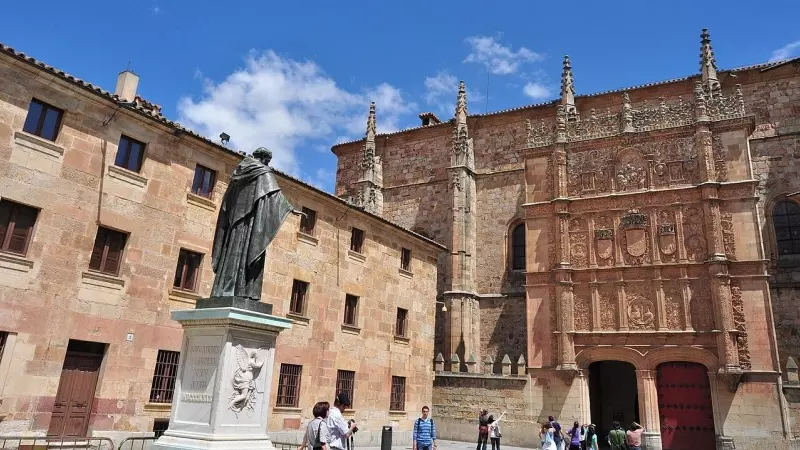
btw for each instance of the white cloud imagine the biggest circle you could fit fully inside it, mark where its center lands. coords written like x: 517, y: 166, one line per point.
x: 786, y: 51
x: 500, y: 59
x: 441, y: 90
x: 536, y: 91
x: 322, y: 179
x: 283, y: 104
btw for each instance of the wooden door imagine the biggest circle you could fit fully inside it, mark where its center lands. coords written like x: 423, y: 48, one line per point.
x: 75, y: 396
x: 684, y: 405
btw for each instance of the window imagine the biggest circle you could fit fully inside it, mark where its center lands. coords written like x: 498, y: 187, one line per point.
x: 3, y: 337
x: 204, y: 179
x: 129, y: 154
x: 289, y: 386
x: 398, y: 398
x: 164, y: 377
x: 16, y: 226
x: 401, y: 325
x: 159, y: 427
x: 357, y: 240
x: 518, y: 247
x: 188, y: 270
x: 298, y: 303
x: 405, y: 259
x: 346, y: 382
x: 43, y: 120
x: 107, y: 252
x: 786, y: 219
x: 351, y: 310
x: 308, y: 222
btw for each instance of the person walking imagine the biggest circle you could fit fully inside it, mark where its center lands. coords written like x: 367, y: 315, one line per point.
x: 616, y: 437
x: 317, y: 434
x: 424, y: 435
x: 575, y: 436
x: 584, y: 427
x: 634, y: 437
x: 591, y: 438
x: 494, y: 431
x: 558, y: 436
x: 339, y: 429
x: 548, y: 439
x: 483, y: 430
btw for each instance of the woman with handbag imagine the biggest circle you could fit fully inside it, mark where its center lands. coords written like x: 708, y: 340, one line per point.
x: 494, y: 431
x: 317, y: 433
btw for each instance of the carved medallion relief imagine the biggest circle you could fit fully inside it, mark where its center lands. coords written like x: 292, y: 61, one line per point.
x: 631, y: 171
x: 635, y: 238
x: 641, y: 308
x: 694, y: 233
x: 578, y: 243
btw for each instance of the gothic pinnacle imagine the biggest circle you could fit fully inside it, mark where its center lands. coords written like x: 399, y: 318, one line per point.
x: 371, y: 123
x: 708, y: 64
x: 567, y: 83
x: 461, y: 103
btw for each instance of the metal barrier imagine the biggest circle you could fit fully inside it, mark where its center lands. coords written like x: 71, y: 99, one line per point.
x: 137, y: 443
x: 285, y: 446
x: 47, y: 443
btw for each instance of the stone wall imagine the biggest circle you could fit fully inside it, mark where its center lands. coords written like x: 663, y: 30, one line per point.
x: 48, y: 296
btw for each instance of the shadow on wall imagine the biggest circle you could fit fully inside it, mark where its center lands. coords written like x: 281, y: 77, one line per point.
x: 503, y: 330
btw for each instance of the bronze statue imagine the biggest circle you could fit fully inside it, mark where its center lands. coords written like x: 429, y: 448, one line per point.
x: 253, y: 210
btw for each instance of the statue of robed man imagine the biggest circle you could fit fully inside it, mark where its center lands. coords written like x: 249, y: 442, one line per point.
x: 253, y: 210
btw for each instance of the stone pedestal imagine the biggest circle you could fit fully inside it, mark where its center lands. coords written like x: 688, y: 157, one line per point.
x: 222, y: 391
x: 651, y: 440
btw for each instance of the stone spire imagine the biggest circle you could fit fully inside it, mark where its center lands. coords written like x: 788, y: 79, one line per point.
x: 370, y: 195
x: 568, y: 89
x: 462, y: 144
x: 708, y: 64
x: 461, y: 105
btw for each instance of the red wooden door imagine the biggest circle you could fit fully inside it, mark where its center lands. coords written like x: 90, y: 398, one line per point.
x: 75, y: 396
x: 684, y: 404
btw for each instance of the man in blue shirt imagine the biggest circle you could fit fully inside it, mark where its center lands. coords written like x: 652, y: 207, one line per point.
x: 424, y: 431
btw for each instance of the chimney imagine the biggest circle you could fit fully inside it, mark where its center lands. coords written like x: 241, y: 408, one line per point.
x: 429, y: 118
x: 127, y: 82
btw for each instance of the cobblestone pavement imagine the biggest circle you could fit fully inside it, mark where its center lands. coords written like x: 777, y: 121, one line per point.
x: 446, y: 445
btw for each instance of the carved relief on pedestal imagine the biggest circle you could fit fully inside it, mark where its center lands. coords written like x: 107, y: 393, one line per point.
x: 609, y: 307
x: 641, y: 309
x: 549, y: 185
x: 739, y: 321
x: 589, y: 172
x: 635, y: 238
x: 675, y: 161
x: 728, y: 235
x: 582, y: 299
x: 694, y: 234
x: 720, y: 158
x: 673, y: 306
x: 631, y: 171
x: 578, y: 243
x: 604, y: 243
x: 701, y: 306
x: 667, y: 238
x: 248, y: 368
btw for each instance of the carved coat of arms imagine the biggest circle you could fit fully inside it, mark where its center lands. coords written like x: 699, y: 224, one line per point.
x: 604, y: 242
x: 666, y: 238
x: 249, y: 365
x: 635, y: 225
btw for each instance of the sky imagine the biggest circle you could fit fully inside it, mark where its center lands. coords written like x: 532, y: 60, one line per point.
x: 297, y: 76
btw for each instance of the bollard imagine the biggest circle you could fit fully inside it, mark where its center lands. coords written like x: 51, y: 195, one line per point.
x: 386, y: 438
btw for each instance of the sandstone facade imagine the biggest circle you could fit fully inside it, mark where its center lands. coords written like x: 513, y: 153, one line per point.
x: 51, y: 300
x: 649, y: 239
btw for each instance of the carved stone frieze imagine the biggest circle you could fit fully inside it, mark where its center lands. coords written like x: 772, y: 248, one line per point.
x: 631, y: 170
x: 583, y: 309
x: 673, y: 306
x: 540, y: 134
x: 701, y: 307
x: 593, y: 126
x: 721, y: 106
x: 641, y: 309
x: 589, y: 171
x: 694, y: 234
x: 720, y: 158
x: 609, y: 308
x: 739, y: 321
x: 662, y: 115
x: 728, y: 235
x: 675, y: 161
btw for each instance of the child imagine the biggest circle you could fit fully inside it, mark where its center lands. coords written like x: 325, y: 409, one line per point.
x: 494, y: 432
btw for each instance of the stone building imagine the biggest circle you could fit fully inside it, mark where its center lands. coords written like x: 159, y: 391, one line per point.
x: 620, y: 253
x: 107, y: 214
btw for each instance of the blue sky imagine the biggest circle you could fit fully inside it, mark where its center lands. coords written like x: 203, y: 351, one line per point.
x: 298, y: 76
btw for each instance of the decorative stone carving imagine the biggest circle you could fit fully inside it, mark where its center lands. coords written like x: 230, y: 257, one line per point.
x: 583, y: 309
x: 694, y: 234
x: 594, y: 126
x: 662, y: 115
x: 728, y: 235
x: 701, y: 306
x: 667, y: 239
x: 539, y: 135
x: 673, y: 306
x: 739, y: 321
x: 578, y: 245
x: 720, y: 158
x: 609, y: 310
x: 604, y: 241
x: 457, y: 181
x: 248, y: 369
x: 634, y: 225
x: 675, y: 161
x: 588, y: 171
x: 631, y: 170
x: 641, y: 312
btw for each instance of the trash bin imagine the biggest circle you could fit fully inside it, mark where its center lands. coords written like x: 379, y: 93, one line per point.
x: 386, y: 438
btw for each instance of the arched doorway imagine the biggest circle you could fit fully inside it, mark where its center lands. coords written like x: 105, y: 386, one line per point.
x: 613, y: 395
x: 684, y: 406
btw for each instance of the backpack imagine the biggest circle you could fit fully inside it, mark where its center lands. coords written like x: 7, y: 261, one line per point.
x: 416, y: 425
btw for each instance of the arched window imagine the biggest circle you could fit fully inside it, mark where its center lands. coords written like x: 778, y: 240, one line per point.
x: 786, y: 219
x: 518, y: 247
